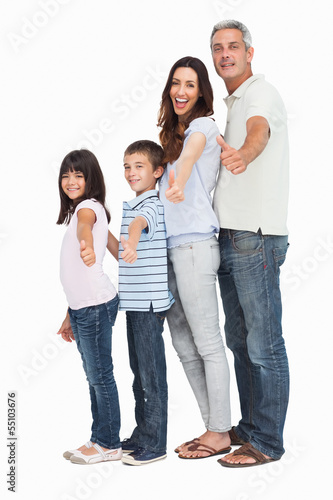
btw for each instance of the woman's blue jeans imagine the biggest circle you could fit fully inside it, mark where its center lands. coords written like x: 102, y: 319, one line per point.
x: 147, y: 361
x: 92, y: 328
x: 250, y: 290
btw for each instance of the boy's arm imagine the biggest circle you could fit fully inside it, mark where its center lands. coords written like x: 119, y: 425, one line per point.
x: 113, y: 245
x: 191, y: 153
x: 135, y: 229
x: 86, y: 220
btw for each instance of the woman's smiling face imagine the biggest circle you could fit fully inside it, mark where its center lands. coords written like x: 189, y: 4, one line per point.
x: 184, y: 92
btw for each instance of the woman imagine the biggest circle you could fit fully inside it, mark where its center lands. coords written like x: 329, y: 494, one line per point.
x: 192, y: 154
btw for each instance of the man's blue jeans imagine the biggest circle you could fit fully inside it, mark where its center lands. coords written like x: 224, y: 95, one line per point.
x: 250, y: 290
x: 92, y: 328
x: 147, y: 361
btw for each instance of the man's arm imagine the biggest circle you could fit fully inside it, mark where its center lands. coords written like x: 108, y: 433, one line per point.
x: 257, y: 136
x: 66, y: 330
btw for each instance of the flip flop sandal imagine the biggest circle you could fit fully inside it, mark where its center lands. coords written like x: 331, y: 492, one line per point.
x: 100, y: 456
x: 208, y: 449
x: 235, y: 440
x: 195, y: 440
x: 249, y: 451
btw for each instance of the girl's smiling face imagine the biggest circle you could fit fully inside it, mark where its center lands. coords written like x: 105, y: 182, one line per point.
x: 184, y: 92
x: 73, y: 184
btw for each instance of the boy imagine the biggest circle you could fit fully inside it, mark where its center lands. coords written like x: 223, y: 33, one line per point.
x: 144, y: 295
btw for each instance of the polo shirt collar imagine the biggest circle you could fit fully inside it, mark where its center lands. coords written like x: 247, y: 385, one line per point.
x: 142, y: 197
x: 239, y: 92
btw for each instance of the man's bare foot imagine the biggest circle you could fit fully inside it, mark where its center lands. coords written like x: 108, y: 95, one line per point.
x: 250, y: 457
x: 216, y: 440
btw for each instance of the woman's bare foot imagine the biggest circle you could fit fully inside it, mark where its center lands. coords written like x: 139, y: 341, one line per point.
x: 184, y: 446
x: 216, y: 440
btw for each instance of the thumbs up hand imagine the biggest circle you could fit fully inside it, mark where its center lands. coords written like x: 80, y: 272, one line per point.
x: 87, y: 254
x: 129, y: 254
x: 174, y: 193
x: 231, y: 158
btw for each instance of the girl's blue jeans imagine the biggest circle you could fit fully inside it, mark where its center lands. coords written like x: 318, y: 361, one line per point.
x: 249, y: 282
x: 92, y: 328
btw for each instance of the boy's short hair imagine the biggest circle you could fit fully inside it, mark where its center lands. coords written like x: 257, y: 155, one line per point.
x: 153, y: 151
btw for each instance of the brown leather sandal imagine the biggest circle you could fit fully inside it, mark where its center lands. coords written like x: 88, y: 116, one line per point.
x: 193, y: 441
x: 235, y: 440
x: 208, y: 449
x: 249, y: 451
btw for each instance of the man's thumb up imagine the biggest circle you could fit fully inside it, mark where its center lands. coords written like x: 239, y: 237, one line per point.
x: 222, y: 143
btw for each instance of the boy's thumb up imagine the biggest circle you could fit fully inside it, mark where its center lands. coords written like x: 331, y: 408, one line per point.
x: 82, y: 245
x: 123, y: 241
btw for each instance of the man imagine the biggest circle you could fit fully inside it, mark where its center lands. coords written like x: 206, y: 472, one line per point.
x: 250, y: 200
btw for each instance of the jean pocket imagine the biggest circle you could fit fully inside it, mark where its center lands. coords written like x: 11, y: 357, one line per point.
x: 246, y: 242
x: 215, y: 253
x: 279, y: 255
x: 112, y: 309
x: 185, y: 246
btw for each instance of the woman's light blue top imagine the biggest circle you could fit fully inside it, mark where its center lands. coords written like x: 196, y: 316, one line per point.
x: 194, y: 219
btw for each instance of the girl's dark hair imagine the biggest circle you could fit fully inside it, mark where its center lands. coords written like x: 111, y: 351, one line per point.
x: 172, y: 133
x: 86, y: 162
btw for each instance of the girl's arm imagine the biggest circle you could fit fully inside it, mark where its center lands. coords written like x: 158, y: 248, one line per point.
x: 113, y: 245
x: 134, y: 232
x: 191, y: 153
x: 86, y: 220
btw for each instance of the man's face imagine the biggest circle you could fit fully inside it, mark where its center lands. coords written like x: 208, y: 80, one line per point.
x: 231, y: 60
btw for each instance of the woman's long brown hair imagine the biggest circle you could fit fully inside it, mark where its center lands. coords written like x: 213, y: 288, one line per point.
x: 172, y: 133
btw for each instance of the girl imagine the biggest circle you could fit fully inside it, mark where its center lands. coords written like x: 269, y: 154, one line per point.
x: 192, y: 154
x: 92, y: 299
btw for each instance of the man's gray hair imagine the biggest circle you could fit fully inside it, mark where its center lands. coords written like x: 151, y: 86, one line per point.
x: 233, y: 25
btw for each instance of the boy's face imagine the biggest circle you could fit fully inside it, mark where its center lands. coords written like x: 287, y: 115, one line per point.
x: 139, y: 173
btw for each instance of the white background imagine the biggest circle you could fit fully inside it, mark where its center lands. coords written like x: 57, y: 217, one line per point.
x: 91, y: 73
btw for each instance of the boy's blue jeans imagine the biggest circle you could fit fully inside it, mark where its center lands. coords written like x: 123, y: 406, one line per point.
x: 147, y: 361
x: 92, y: 328
x: 249, y: 283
